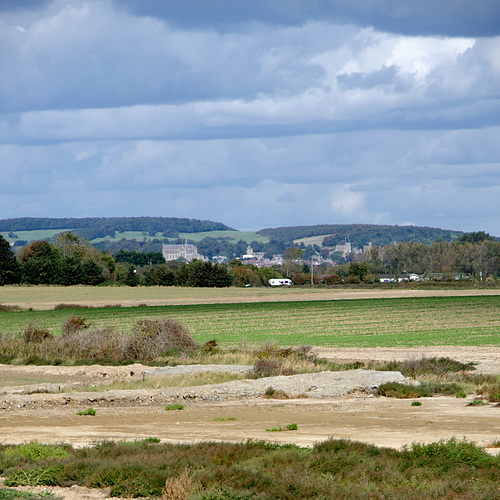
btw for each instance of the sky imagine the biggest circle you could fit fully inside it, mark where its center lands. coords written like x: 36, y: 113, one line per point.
x: 254, y: 113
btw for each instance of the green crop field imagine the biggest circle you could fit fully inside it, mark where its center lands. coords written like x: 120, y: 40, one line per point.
x: 391, y: 322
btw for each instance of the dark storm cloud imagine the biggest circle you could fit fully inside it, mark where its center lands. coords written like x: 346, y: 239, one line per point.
x: 476, y: 18
x: 255, y: 113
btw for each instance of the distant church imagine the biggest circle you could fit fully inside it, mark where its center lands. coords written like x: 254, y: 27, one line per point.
x: 185, y: 251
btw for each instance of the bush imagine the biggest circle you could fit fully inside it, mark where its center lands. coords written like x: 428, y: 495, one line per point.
x: 333, y: 279
x: 33, y: 334
x: 74, y: 324
x: 273, y: 393
x: 89, y: 411
x: 103, y: 345
x: 446, y: 454
x: 428, y: 366
x: 178, y: 488
x: 152, y: 338
x: 42, y: 476
x: 353, y: 280
x: 422, y: 390
x: 269, y: 368
x: 476, y: 402
x: 210, y: 347
x: 174, y: 407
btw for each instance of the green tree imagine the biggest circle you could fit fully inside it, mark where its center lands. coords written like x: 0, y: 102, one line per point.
x: 40, y: 263
x: 475, y: 237
x: 10, y: 271
x: 92, y: 273
x: 359, y: 270
x: 70, y: 271
x: 203, y: 274
x: 159, y: 276
x: 132, y: 279
x: 293, y: 253
x: 245, y: 275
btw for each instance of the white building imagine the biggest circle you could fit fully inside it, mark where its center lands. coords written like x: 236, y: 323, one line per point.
x: 185, y: 251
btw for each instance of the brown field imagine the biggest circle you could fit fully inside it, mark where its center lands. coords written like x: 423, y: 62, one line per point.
x: 46, y: 297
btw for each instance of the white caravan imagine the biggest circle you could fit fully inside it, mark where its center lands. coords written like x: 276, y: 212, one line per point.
x: 280, y: 282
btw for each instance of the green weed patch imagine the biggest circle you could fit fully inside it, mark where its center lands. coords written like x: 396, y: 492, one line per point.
x: 332, y: 469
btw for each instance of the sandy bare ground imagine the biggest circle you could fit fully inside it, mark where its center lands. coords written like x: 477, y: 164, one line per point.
x: 381, y: 421
x: 357, y: 415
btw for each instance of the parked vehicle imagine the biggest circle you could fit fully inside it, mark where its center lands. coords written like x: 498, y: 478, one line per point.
x: 280, y: 282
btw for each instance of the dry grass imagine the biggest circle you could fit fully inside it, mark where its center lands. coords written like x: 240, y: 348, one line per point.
x: 160, y: 382
x: 178, y: 488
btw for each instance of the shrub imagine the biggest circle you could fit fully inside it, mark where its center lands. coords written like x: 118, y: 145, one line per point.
x: 476, y: 402
x: 41, y: 476
x: 333, y: 279
x: 422, y: 390
x: 175, y: 406
x: 9, y: 494
x: 59, y: 307
x: 33, y: 452
x: 273, y: 393
x: 269, y: 368
x: 178, y: 488
x: 210, y: 347
x: 287, y: 427
x: 353, y: 280
x: 152, y: 338
x: 8, y: 307
x: 74, y: 324
x: 88, y: 411
x: 427, y: 366
x: 446, y: 454
x: 33, y: 334
x: 104, y: 345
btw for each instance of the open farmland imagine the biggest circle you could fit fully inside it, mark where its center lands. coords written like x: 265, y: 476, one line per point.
x: 344, y: 328
x: 382, y: 322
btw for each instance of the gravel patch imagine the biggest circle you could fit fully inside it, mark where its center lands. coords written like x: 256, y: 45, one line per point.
x: 311, y: 385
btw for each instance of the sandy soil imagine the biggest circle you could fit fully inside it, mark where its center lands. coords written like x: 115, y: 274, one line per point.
x: 357, y: 416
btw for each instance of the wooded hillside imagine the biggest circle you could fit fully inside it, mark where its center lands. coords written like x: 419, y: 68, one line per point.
x: 361, y: 234
x: 100, y: 227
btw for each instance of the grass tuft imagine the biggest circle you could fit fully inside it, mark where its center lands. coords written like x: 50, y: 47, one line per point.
x: 175, y: 406
x: 87, y: 412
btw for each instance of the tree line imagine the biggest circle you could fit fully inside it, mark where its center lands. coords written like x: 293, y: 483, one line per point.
x: 113, y: 224
x: 360, y: 234
x: 72, y: 260
x: 474, y: 254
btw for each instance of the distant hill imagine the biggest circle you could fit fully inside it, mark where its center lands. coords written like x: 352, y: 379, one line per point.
x: 147, y: 234
x: 100, y: 227
x: 361, y: 234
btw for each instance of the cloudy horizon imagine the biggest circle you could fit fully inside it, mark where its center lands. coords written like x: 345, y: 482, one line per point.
x: 252, y: 113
